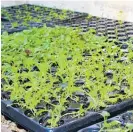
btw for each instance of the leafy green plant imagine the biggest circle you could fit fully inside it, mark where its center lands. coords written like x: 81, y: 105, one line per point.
x: 120, y: 17
x: 14, y: 24
x: 114, y: 125
x: 89, y: 16
x: 45, y: 66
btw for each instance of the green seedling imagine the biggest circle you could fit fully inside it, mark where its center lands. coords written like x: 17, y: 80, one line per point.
x: 114, y: 125
x: 120, y: 17
x: 15, y: 24
x: 45, y: 63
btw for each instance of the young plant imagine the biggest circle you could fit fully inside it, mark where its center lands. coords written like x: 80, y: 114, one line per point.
x: 15, y: 24
x: 53, y: 67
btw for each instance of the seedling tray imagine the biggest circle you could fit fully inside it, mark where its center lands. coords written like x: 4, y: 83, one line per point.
x: 12, y: 111
x: 68, y: 125
x: 92, y: 118
x: 113, y: 29
x: 120, y: 121
x: 22, y: 16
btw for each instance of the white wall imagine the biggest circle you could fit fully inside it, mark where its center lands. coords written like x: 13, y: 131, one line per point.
x: 104, y: 8
x: 5, y: 3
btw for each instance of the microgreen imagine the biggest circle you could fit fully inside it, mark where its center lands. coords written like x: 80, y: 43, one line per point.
x: 45, y: 63
x: 114, y: 125
x: 14, y: 24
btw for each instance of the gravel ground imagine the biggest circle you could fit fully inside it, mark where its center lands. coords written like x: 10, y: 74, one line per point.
x: 9, y: 126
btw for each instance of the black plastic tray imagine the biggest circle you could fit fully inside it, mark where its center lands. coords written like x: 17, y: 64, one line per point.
x: 113, y: 29
x: 104, y: 27
x: 33, y: 126
x: 123, y: 119
x: 97, y: 23
x: 13, y: 9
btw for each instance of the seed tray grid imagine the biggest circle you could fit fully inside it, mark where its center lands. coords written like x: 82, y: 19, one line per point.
x: 33, y: 125
x: 36, y: 16
x: 96, y: 23
x: 110, y: 28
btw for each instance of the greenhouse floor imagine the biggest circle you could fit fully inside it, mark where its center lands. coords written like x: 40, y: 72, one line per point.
x: 9, y: 126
